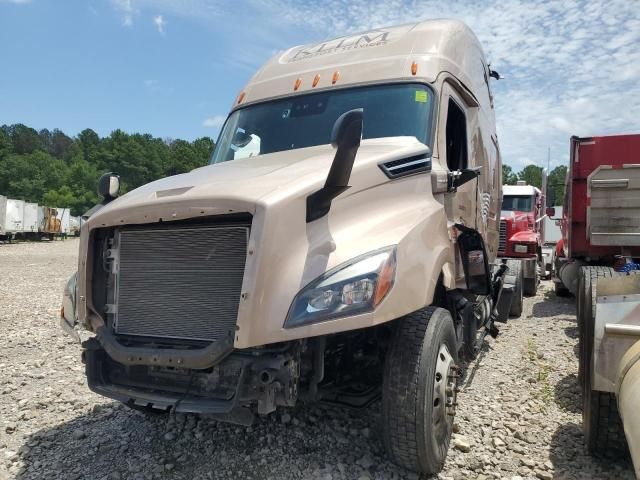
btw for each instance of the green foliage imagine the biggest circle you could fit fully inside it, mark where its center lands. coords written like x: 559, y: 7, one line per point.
x: 555, y: 181
x: 53, y: 169
x: 509, y: 177
x: 532, y: 175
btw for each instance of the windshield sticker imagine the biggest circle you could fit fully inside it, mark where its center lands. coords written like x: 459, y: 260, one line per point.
x: 421, y: 96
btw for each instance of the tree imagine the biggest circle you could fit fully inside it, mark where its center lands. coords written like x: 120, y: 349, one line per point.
x: 556, y: 180
x: 531, y: 174
x: 508, y: 175
x: 55, y: 170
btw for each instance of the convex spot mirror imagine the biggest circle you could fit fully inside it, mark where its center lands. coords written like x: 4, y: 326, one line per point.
x: 551, y: 212
x: 109, y: 186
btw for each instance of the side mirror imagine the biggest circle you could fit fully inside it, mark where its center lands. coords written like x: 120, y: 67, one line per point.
x: 347, y: 131
x: 109, y: 186
x: 551, y: 212
x: 458, y: 178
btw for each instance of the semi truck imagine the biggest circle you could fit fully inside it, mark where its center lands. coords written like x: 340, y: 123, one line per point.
x: 521, y: 239
x: 600, y: 255
x: 333, y: 249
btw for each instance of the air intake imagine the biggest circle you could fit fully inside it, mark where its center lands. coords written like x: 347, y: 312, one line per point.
x: 406, y: 166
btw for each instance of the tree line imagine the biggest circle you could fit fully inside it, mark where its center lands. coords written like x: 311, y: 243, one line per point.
x: 532, y: 174
x: 50, y: 168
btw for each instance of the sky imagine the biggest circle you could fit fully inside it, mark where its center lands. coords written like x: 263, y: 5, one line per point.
x: 172, y: 68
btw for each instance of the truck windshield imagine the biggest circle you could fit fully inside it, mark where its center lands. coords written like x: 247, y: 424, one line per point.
x: 307, y: 120
x: 520, y: 203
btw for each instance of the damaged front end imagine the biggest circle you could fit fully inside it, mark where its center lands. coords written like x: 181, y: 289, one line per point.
x: 155, y: 353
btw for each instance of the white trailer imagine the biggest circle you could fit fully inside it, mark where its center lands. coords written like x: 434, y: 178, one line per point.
x: 30, y: 218
x: 13, y: 217
x: 551, y: 236
x: 3, y: 214
x: 64, y: 215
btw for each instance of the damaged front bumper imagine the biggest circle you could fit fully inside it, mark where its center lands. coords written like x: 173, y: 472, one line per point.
x: 233, y: 390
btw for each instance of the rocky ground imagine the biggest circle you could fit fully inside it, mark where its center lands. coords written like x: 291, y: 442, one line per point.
x: 519, y: 413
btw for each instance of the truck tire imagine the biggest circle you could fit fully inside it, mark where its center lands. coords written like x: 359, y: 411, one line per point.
x: 515, y: 277
x: 601, y: 424
x: 420, y: 376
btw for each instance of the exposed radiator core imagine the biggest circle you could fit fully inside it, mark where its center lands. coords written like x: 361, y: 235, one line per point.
x: 181, y: 282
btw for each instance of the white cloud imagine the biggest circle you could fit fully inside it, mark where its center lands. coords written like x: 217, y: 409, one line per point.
x: 160, y: 23
x: 126, y: 10
x: 572, y: 67
x: 214, y: 122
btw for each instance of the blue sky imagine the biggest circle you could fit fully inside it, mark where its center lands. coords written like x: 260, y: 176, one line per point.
x: 173, y: 67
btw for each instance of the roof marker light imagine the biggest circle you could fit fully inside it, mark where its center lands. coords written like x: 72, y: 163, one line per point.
x: 240, y: 98
x: 414, y: 68
x: 316, y: 79
x: 336, y: 76
x: 296, y: 85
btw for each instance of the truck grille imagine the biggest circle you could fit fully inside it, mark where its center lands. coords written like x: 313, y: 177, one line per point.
x: 502, y: 242
x: 180, y: 282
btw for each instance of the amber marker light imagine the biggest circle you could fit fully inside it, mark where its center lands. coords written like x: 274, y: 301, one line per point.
x: 240, y: 98
x: 385, y: 280
x: 296, y: 85
x: 334, y: 79
x: 316, y: 79
x: 414, y: 68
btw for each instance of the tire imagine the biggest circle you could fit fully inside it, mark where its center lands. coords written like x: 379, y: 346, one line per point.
x: 601, y: 424
x: 515, y: 277
x: 420, y: 362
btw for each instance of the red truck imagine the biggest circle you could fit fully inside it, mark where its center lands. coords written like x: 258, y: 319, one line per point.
x: 597, y: 260
x: 521, y: 236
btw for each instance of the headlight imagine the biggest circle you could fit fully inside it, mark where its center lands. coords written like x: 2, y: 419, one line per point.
x: 520, y: 248
x: 349, y: 289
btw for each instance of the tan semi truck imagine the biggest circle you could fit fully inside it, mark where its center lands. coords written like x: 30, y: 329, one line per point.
x: 340, y: 244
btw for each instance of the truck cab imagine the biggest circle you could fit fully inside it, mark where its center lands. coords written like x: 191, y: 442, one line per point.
x: 521, y: 232
x: 340, y: 245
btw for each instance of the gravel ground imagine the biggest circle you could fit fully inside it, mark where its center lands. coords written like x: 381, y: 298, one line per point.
x: 519, y: 413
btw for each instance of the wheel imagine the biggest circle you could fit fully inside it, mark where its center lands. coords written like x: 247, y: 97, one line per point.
x: 601, y: 424
x: 419, y: 390
x: 530, y: 285
x: 515, y: 277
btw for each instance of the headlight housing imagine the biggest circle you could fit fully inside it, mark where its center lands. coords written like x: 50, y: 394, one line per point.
x: 349, y: 289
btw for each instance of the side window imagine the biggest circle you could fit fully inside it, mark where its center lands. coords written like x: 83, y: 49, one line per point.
x: 456, y: 137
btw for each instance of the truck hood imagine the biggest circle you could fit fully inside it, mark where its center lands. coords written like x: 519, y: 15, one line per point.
x: 239, y: 185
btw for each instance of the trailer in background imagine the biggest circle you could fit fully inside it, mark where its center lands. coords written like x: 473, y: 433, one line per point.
x: 12, y: 216
x: 29, y: 222
x: 3, y: 213
x: 64, y: 214
x: 74, y: 226
x: 551, y: 236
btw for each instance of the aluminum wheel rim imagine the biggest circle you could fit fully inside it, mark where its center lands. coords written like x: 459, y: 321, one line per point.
x: 444, y: 392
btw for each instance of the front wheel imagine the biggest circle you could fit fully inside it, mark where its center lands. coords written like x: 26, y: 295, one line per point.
x: 419, y: 390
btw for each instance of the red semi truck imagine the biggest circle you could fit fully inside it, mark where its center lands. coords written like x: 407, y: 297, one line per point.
x: 521, y: 237
x: 597, y: 261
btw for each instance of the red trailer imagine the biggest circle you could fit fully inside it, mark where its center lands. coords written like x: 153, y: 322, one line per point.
x: 601, y: 214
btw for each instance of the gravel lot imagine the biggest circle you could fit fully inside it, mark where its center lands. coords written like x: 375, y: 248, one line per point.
x: 519, y: 413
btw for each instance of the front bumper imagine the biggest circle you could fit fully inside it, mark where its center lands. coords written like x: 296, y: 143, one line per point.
x: 233, y: 390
